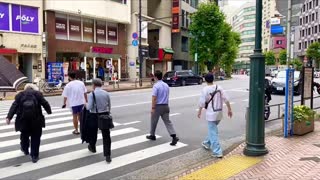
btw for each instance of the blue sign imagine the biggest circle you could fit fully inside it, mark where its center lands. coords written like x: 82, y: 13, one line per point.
x: 135, y: 42
x: 288, y: 114
x: 135, y: 35
x: 277, y: 29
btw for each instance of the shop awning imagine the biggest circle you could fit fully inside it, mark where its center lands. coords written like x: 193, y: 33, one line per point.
x: 100, y: 55
x: 8, y: 51
x: 10, y: 76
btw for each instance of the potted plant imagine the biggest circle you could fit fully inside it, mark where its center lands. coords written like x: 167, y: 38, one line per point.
x: 303, y: 120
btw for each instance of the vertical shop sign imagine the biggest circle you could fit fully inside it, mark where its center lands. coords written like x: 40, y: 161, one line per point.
x: 175, y: 16
x: 112, y: 33
x: 4, y: 16
x: 25, y: 19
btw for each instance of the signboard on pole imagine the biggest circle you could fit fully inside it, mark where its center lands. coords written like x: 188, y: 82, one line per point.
x: 288, y: 115
x: 196, y: 57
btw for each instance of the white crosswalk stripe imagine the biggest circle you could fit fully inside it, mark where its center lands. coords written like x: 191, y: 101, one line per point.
x: 60, y: 147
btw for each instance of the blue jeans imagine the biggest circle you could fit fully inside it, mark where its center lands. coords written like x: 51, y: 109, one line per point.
x: 212, y: 139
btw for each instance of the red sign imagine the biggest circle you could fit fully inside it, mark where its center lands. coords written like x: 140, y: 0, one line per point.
x: 102, y: 50
x: 175, y: 16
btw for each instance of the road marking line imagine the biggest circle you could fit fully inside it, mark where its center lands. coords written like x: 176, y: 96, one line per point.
x: 51, y: 136
x: 5, y: 112
x: 130, y: 123
x: 174, y: 114
x: 47, y: 115
x: 100, y: 167
x: 62, y: 158
x: 58, y: 145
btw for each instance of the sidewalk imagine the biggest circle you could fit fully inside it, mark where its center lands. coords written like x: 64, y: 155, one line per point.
x: 293, y: 158
x: 123, y: 86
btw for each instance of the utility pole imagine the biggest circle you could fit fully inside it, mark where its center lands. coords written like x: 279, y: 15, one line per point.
x: 289, y: 33
x: 255, y: 137
x: 139, y: 47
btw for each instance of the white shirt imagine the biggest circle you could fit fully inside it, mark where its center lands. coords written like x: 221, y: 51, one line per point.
x: 74, y: 92
x: 218, y: 100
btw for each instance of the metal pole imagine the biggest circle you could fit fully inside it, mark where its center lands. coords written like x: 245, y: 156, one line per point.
x: 289, y: 33
x: 140, y: 54
x: 196, y: 57
x: 255, y: 137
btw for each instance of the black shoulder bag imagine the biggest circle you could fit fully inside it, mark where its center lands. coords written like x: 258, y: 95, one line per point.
x: 104, y: 119
x: 212, y: 96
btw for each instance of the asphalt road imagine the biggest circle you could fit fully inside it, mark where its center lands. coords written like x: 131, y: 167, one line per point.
x: 62, y: 156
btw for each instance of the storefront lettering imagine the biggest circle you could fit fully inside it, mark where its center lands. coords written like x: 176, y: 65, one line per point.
x: 60, y: 26
x: 75, y: 28
x: 1, y: 15
x: 28, y: 46
x: 102, y: 50
x: 25, y: 18
x: 87, y: 30
x: 100, y: 31
x: 112, y: 33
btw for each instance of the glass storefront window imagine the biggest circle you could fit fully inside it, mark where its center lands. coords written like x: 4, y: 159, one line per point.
x: 87, y: 30
x: 74, y: 28
x: 101, y: 32
x: 112, y: 34
x: 61, y: 26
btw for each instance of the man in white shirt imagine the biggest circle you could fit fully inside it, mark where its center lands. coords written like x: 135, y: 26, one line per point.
x: 212, y: 98
x: 75, y: 93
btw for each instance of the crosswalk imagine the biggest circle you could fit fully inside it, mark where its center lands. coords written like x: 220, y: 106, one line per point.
x: 62, y: 156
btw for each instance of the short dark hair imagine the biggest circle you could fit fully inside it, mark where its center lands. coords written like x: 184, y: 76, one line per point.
x: 97, y: 82
x: 72, y: 74
x: 209, y: 78
x: 158, y: 75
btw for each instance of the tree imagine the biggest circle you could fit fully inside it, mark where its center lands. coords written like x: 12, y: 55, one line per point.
x: 270, y: 58
x: 313, y: 51
x: 297, y: 64
x: 213, y: 38
x: 283, y: 57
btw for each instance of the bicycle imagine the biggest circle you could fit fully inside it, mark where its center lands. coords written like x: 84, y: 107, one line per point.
x: 47, y: 87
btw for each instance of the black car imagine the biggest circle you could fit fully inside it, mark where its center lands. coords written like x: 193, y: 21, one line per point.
x: 181, y: 78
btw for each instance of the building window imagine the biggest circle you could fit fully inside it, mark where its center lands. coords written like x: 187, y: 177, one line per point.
x: 300, y: 21
x: 311, y: 41
x: 312, y: 31
x: 313, y: 17
x: 304, y: 8
x: 305, y: 44
x: 299, y: 46
x: 184, y: 44
x: 183, y: 18
x: 187, y: 19
x: 309, y: 31
x: 74, y: 28
x: 316, y: 29
x: 306, y: 19
x: 317, y: 2
x: 88, y: 30
x: 316, y: 15
x: 279, y: 42
x: 310, y: 5
x: 302, y: 33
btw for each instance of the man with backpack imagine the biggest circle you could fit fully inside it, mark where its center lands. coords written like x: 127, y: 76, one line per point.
x: 212, y: 98
x: 29, y: 120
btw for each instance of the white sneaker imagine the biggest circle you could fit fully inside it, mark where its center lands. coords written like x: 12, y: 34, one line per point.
x: 217, y: 156
x: 205, y: 146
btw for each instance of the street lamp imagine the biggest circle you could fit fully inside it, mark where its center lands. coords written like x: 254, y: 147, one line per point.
x: 255, y: 137
x: 196, y: 54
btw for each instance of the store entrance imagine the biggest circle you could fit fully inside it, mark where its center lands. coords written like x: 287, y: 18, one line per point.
x: 25, y: 65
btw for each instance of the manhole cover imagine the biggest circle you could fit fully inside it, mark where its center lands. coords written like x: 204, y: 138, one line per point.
x: 315, y: 159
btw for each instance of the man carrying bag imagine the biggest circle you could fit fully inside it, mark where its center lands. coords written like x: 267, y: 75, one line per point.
x: 99, y: 106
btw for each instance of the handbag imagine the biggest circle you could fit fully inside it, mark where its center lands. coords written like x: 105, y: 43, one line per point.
x: 105, y: 120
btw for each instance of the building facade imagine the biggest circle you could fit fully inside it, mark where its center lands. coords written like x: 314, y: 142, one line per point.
x: 182, y: 60
x: 309, y: 28
x: 269, y: 11
x: 84, y: 39
x: 21, y: 31
x: 244, y: 22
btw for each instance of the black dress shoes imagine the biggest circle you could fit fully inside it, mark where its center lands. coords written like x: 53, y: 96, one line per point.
x: 34, y: 159
x: 151, y: 137
x: 92, y: 149
x: 108, y: 159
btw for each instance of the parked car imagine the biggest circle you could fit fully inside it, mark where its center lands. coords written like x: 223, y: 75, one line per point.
x: 279, y: 82
x: 316, y: 73
x: 274, y: 72
x: 181, y: 78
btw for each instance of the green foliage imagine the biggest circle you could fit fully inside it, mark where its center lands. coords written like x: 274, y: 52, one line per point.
x: 270, y: 58
x: 213, y: 38
x: 297, y: 64
x: 303, y: 114
x: 313, y: 51
x: 283, y: 57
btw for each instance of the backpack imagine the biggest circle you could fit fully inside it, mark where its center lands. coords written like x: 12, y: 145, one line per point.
x: 212, y: 101
x: 29, y: 106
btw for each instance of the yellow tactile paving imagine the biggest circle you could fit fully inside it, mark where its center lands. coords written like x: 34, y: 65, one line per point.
x: 223, y: 169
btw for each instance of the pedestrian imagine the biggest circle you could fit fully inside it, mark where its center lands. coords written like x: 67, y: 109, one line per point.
x: 29, y: 120
x: 75, y: 93
x: 99, y: 105
x: 160, y: 107
x: 212, y: 98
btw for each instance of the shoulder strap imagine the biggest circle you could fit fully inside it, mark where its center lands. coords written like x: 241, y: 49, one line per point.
x: 95, y: 101
x: 212, y: 94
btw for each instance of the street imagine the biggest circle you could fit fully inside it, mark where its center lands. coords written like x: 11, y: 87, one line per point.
x: 62, y: 156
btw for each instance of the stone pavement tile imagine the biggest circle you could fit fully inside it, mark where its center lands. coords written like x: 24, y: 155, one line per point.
x: 284, y: 159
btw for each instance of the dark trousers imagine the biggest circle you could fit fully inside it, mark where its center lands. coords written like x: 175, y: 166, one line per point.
x: 35, y: 135
x: 93, y: 135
